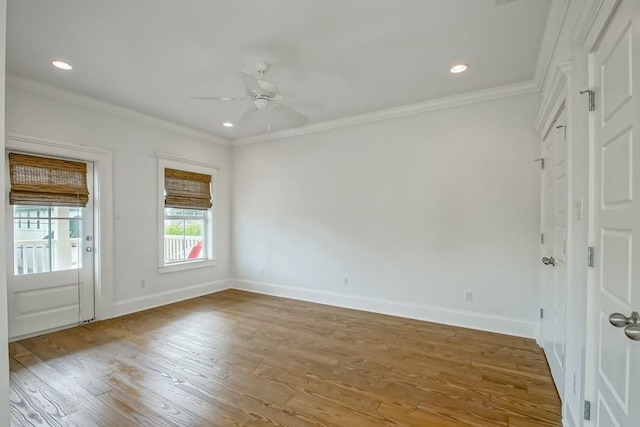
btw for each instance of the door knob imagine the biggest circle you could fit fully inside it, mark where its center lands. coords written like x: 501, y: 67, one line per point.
x: 549, y: 261
x: 619, y: 320
x: 632, y: 332
x: 630, y: 324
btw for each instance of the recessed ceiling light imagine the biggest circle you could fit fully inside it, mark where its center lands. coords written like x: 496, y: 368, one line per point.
x: 459, y: 68
x: 227, y: 124
x: 62, y: 65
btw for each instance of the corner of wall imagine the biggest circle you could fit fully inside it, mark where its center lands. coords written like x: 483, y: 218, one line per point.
x: 146, y: 302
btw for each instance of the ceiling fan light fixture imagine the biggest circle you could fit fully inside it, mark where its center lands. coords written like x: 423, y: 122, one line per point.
x: 261, y: 103
x: 62, y: 65
x: 459, y: 68
x: 227, y: 124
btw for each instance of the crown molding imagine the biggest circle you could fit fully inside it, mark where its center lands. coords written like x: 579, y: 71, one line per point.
x: 550, y: 39
x: 37, y: 88
x: 554, y: 94
x: 397, y: 112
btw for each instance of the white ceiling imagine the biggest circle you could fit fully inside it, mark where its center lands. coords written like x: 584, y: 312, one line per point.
x: 330, y: 58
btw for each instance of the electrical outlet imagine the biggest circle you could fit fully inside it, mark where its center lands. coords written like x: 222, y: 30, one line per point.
x: 468, y: 296
x: 345, y: 281
x: 143, y: 283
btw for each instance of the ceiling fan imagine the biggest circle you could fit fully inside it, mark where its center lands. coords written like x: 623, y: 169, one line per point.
x: 267, y: 112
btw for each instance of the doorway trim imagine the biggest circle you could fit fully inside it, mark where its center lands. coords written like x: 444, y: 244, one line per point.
x: 103, y: 207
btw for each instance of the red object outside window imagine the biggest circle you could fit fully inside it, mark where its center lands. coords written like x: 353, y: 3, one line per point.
x: 195, y: 251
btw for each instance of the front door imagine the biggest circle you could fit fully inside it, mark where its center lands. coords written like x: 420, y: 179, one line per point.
x: 554, y: 248
x: 616, y: 220
x: 50, y: 271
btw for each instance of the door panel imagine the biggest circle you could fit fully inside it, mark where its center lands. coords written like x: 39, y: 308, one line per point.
x: 616, y: 218
x: 555, y: 225
x: 51, y: 282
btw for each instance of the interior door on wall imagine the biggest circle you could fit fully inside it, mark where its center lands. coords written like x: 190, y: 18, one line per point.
x: 51, y: 269
x: 554, y: 251
x: 616, y: 219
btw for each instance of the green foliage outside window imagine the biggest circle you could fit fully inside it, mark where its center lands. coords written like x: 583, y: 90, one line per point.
x: 178, y: 230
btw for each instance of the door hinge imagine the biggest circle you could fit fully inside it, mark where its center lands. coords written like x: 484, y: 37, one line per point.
x: 587, y: 410
x: 542, y: 313
x: 541, y: 160
x: 542, y: 238
x: 590, y: 256
x: 592, y: 99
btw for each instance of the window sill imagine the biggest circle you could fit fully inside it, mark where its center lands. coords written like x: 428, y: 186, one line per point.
x: 188, y: 265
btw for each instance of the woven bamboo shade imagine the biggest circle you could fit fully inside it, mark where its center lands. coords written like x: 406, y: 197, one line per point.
x: 47, y: 182
x: 187, y: 190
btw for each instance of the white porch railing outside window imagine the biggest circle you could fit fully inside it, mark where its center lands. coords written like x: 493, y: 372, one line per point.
x: 174, y: 250
x: 33, y: 256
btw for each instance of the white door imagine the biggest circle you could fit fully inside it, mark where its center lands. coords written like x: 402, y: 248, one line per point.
x: 616, y: 219
x: 50, y: 271
x: 554, y: 248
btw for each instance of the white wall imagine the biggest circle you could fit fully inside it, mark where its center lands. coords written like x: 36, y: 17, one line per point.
x: 135, y: 236
x: 413, y: 210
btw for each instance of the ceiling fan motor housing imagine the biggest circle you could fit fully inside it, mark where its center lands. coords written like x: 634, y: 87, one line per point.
x: 261, y: 102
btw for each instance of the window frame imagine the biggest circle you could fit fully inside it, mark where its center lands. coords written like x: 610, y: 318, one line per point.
x: 169, y: 161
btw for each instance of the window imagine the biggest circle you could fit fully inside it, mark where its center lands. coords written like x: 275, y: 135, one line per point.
x: 187, y: 206
x: 185, y: 232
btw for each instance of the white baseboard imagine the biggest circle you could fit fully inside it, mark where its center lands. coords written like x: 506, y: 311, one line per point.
x: 145, y: 302
x: 466, y: 319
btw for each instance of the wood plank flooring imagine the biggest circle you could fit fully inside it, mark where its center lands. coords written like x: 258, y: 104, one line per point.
x: 236, y: 358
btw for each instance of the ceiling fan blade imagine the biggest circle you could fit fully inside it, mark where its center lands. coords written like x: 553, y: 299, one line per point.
x: 287, y: 116
x: 274, y: 117
x: 220, y: 98
x: 251, y: 84
x: 253, y: 121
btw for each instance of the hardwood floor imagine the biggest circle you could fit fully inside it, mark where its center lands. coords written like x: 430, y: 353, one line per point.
x: 235, y: 358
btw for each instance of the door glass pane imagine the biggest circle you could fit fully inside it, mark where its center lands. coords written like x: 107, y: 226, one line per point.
x: 46, y: 239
